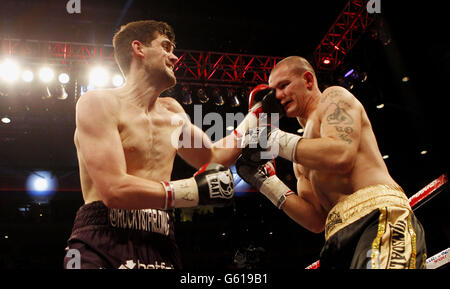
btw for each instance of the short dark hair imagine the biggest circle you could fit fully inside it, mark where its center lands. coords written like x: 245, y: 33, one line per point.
x: 143, y: 31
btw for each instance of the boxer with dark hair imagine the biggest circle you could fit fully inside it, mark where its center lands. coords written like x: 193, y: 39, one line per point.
x: 125, y: 146
x: 343, y: 185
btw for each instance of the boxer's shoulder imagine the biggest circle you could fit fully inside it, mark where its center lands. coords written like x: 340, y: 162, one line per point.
x: 334, y: 94
x: 171, y: 104
x: 100, y: 99
x: 336, y: 97
x: 98, y: 104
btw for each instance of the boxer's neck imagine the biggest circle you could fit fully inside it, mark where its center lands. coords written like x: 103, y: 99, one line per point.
x: 310, y: 106
x: 142, y: 90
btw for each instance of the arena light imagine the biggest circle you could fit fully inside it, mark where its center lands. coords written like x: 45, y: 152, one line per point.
x: 117, y: 80
x: 232, y: 97
x: 62, y: 93
x: 99, y: 77
x: 326, y: 61
x: 27, y: 76
x: 64, y: 78
x: 46, y: 74
x: 9, y: 70
x: 217, y: 97
x: 186, y: 95
x: 349, y: 73
x: 201, y: 94
x: 41, y: 184
x: 6, y: 120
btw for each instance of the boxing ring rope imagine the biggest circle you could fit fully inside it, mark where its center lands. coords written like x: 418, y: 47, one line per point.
x: 416, y: 201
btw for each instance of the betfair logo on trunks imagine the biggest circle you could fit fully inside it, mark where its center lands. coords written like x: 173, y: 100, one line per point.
x: 130, y: 264
x: 220, y: 185
x: 150, y: 220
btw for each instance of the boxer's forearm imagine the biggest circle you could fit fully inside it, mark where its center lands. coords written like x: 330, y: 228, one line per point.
x: 325, y: 154
x: 303, y: 213
x: 131, y: 192
x: 226, y: 150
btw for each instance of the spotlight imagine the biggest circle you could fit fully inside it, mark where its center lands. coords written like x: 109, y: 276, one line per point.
x: 363, y: 77
x: 186, y: 95
x: 117, y: 80
x: 405, y: 79
x: 201, y: 94
x: 47, y: 93
x: 380, y: 106
x: 326, y: 61
x: 46, y: 74
x: 6, y: 120
x: 217, y: 96
x: 41, y: 184
x: 64, y: 78
x: 62, y: 93
x: 9, y: 70
x: 27, y: 76
x: 349, y: 73
x: 232, y: 97
x: 98, y: 77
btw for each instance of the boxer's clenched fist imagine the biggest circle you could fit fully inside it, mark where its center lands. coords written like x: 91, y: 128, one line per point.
x: 212, y: 185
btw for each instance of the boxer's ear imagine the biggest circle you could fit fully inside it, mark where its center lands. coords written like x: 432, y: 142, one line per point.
x: 137, y: 48
x: 308, y: 77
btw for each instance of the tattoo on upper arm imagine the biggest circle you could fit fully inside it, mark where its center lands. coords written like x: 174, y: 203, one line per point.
x: 341, y: 120
x: 339, y: 115
x: 331, y: 94
x: 344, y: 132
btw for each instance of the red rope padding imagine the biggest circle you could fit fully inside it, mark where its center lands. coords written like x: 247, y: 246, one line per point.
x: 425, y: 192
x: 413, y: 201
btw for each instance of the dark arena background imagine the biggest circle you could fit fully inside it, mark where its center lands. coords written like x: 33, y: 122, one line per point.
x: 395, y: 59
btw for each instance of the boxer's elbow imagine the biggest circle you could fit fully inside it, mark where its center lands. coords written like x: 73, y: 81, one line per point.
x: 343, y: 161
x: 112, y: 193
x: 316, y: 227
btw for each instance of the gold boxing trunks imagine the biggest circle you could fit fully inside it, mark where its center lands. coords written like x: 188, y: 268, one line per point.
x: 374, y: 227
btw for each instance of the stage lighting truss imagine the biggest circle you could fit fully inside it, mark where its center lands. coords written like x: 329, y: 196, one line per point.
x: 192, y: 66
x: 349, y: 26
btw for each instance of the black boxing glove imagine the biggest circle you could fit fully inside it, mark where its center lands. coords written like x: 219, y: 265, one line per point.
x: 212, y: 184
x: 256, y: 145
x: 264, y: 179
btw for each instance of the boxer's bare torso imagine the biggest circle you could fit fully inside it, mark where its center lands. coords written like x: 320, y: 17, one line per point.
x: 329, y: 187
x: 146, y: 138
